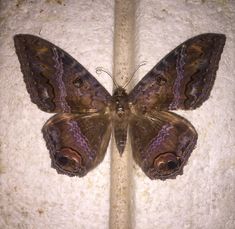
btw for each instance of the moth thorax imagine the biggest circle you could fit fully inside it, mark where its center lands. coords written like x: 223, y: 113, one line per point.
x: 120, y: 101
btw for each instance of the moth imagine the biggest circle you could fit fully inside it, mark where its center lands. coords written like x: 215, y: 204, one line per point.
x: 78, y: 134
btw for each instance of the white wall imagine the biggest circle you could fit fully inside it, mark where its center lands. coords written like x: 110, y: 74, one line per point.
x: 204, y: 196
x: 32, y: 195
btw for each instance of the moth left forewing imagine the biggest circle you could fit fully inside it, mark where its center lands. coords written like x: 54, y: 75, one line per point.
x: 183, y: 79
x: 77, y: 143
x: 55, y: 81
x: 161, y: 143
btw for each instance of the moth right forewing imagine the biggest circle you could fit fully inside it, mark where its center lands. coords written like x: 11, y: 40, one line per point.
x: 183, y: 79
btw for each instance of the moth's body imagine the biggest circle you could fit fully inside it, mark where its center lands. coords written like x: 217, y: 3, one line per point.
x: 120, y: 109
x: 78, y: 135
x: 120, y: 104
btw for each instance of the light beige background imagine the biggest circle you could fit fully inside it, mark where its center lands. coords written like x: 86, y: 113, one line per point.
x: 204, y: 197
x: 32, y: 195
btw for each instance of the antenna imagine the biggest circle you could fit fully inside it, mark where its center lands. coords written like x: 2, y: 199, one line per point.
x: 99, y: 70
x: 133, y: 74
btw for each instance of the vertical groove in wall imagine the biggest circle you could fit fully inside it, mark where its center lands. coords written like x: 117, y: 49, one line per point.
x: 121, y: 174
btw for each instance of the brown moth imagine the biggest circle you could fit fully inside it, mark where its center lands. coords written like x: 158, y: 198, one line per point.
x: 78, y: 135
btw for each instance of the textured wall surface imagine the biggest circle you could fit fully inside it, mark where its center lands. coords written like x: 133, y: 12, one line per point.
x: 32, y: 195
x: 204, y: 196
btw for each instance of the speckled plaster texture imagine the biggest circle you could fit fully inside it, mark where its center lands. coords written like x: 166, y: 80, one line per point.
x: 32, y: 195
x: 204, y: 196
